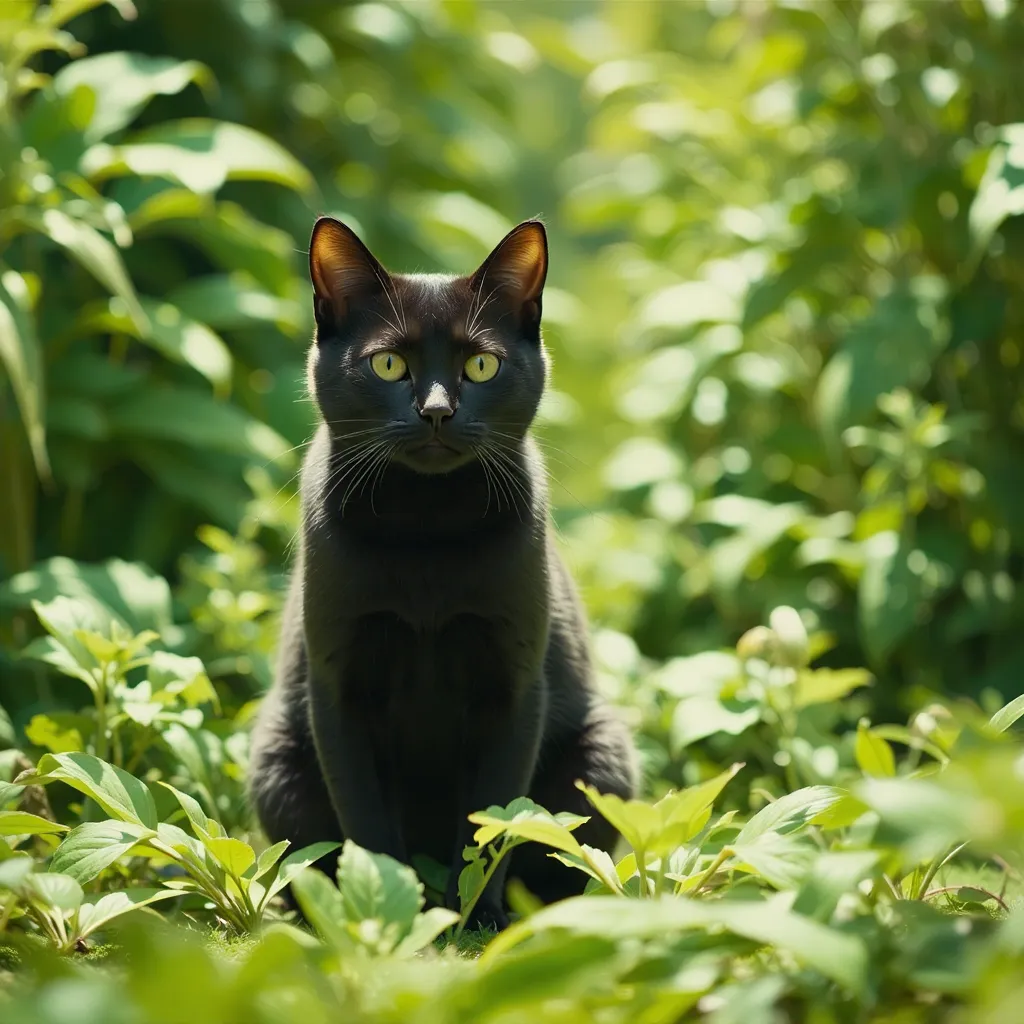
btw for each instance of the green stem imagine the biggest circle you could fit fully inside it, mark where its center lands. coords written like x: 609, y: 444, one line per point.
x: 101, y: 715
x: 641, y: 867
x: 934, y: 868
x: 723, y: 855
x: 506, y: 846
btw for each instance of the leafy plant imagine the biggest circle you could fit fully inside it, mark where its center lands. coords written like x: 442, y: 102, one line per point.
x: 225, y: 870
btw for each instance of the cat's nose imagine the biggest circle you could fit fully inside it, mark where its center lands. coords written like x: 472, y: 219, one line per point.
x: 437, y: 406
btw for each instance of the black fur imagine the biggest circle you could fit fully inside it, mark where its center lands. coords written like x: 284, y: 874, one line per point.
x: 433, y: 657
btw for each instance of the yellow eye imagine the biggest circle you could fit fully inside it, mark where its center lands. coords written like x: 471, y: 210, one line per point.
x: 389, y: 366
x: 482, y: 367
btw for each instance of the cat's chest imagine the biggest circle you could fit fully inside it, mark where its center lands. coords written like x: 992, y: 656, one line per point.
x: 406, y: 674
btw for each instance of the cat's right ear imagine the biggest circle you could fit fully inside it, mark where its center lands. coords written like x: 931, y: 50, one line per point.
x: 342, y: 270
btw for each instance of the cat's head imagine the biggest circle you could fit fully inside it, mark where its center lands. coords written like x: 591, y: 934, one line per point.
x: 432, y: 369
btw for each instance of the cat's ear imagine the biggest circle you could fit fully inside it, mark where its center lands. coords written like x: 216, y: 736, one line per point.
x: 342, y: 270
x: 517, y: 268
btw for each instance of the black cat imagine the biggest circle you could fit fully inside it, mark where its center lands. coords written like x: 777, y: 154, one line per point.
x: 433, y: 653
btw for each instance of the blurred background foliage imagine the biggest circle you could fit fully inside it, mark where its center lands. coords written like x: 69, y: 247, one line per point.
x: 785, y: 314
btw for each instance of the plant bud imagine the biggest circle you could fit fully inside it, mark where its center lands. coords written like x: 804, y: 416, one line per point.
x: 759, y: 642
x: 789, y: 629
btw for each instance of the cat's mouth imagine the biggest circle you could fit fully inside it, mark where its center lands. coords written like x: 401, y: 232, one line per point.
x: 434, y: 456
x: 435, y: 446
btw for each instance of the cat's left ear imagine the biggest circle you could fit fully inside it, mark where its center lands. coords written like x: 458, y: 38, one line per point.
x: 517, y: 268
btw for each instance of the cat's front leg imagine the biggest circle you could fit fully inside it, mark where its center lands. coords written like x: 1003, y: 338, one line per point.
x: 507, y: 740
x: 344, y: 747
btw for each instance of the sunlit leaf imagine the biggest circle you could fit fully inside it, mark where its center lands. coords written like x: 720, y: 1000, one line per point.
x: 21, y: 357
x: 121, y: 795
x: 124, y: 83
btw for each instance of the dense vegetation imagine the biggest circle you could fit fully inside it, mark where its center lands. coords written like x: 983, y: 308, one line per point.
x: 786, y: 439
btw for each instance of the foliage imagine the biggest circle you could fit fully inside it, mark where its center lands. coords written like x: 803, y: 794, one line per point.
x: 784, y: 436
x: 860, y: 899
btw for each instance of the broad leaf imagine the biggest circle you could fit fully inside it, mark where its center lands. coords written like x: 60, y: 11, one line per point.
x: 228, y: 302
x: 841, y: 957
x: 21, y: 823
x: 322, y: 906
x: 121, y: 795
x: 196, y: 419
x: 124, y: 83
x: 874, y: 755
x: 100, y: 910
x: 53, y: 890
x: 94, y: 845
x: 94, y: 252
x: 235, y: 856
x: 201, y: 155
x: 170, y: 332
x: 425, y: 928
x: 375, y: 886
x: 789, y: 813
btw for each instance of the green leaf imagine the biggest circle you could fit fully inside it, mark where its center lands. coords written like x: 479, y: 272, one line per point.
x: 60, y: 12
x: 1008, y: 714
x: 181, y: 677
x: 660, y: 827
x: 53, y: 890
x: 46, y: 732
x: 21, y: 356
x: 124, y: 83
x: 121, y: 795
x: 523, y: 819
x: 94, y: 252
x: 869, y: 364
x: 269, y: 857
x: 232, y: 238
x: 832, y: 875
x: 1001, y: 190
x: 127, y: 591
x: 321, y: 905
x: 639, y: 823
x: 234, y: 856
x: 783, y: 861
x: 21, y: 823
x: 170, y: 332
x: 841, y: 957
x: 93, y: 846
x: 825, y: 685
x: 196, y: 419
x: 100, y: 909
x: 196, y: 815
x: 874, y: 755
x: 14, y: 870
x: 375, y: 886
x: 789, y: 813
x: 232, y: 302
x: 296, y: 863
x: 201, y: 155
x: 889, y: 596
x: 9, y: 793
x: 65, y: 619
x: 425, y: 928
x: 51, y: 651
x: 699, y: 717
